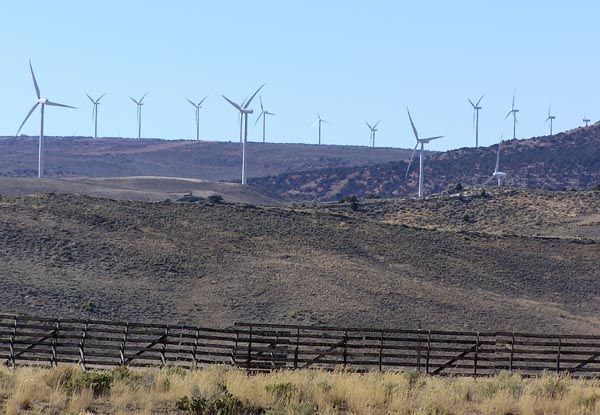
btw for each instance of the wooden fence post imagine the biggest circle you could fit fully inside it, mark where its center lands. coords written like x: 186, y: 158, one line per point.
x: 11, y: 353
x: 345, y: 348
x: 558, y: 355
x: 512, y: 351
x: 297, y: 348
x: 428, y: 351
x: 249, y: 350
x: 381, y: 351
x: 53, y: 358
x: 82, y: 346
x: 122, y: 346
x: 195, y: 349
x: 476, y: 355
x: 419, y: 349
x: 163, y: 348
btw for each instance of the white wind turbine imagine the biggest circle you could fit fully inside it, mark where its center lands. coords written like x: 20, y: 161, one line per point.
x: 513, y: 111
x: 139, y: 104
x: 421, y: 142
x: 373, y: 129
x: 197, y: 112
x: 586, y: 120
x: 498, y: 175
x: 550, y: 118
x: 319, y: 122
x: 95, y: 103
x: 476, y: 108
x: 43, y: 102
x: 263, y: 114
x: 244, y: 111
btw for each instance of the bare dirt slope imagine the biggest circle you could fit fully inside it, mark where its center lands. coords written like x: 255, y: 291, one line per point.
x: 213, y: 264
x: 209, y: 160
x: 143, y: 188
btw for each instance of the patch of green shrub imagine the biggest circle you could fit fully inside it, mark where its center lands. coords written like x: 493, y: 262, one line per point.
x: 98, y: 381
x: 216, y: 199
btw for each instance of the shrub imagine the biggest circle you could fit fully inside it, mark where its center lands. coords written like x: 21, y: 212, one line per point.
x: 281, y: 392
x: 348, y: 199
x: 216, y: 199
x: 98, y: 381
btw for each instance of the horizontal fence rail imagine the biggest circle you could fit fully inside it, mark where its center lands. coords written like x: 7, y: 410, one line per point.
x: 26, y: 340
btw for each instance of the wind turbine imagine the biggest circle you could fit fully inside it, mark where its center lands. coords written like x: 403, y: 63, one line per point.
x: 586, y: 120
x: 422, y: 142
x: 550, y: 118
x: 244, y: 111
x: 476, y: 109
x: 513, y: 111
x: 197, y: 112
x: 95, y: 102
x: 43, y: 102
x: 139, y: 104
x: 373, y: 129
x: 498, y: 175
x: 262, y: 114
x: 319, y: 122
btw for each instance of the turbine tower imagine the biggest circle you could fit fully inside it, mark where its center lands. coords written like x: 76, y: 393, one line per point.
x: 263, y: 114
x: 43, y: 102
x: 197, y: 112
x: 550, y: 118
x: 421, y: 142
x: 139, y: 104
x: 95, y: 103
x: 319, y: 122
x: 498, y: 175
x: 244, y: 111
x: 373, y: 129
x: 476, y: 109
x: 513, y: 111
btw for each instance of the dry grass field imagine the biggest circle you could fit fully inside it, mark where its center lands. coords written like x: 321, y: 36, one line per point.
x: 224, y: 391
x: 386, y: 264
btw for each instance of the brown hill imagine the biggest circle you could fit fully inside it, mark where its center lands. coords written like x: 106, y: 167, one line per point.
x: 213, y: 264
x: 146, y: 188
x: 209, y: 160
x: 566, y: 160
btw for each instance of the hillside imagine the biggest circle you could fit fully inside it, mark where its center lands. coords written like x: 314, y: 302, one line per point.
x: 208, y: 160
x: 214, y: 264
x: 566, y: 160
x: 146, y: 188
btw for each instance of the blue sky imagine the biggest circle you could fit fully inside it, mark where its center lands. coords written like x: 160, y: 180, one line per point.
x: 351, y: 61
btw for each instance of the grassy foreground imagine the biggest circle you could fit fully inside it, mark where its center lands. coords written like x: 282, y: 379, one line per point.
x: 223, y: 391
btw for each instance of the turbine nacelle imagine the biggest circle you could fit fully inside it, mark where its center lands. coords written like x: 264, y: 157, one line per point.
x: 42, y: 101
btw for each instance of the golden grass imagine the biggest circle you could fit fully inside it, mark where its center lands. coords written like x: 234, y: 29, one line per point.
x: 68, y: 390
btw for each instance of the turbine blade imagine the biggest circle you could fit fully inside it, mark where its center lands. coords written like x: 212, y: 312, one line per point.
x: 200, y: 103
x: 479, y: 100
x: 27, y: 117
x: 487, y: 181
x: 190, y: 101
x: 232, y: 103
x: 134, y: 101
x: 262, y: 114
x: 433, y: 138
x: 101, y: 96
x: 513, y: 103
x: 471, y: 102
x: 510, y: 112
x: 261, y: 104
x: 35, y: 84
x: 143, y: 96
x: 93, y: 102
x: 56, y: 104
x: 369, y: 125
x: 247, y: 103
x: 376, y: 124
x: 269, y: 113
x: 410, y: 161
x: 412, y: 124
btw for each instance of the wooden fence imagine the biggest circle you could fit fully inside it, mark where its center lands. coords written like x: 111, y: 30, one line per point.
x: 102, y: 344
